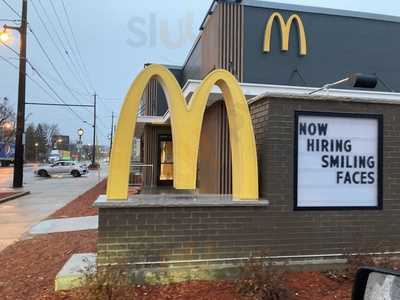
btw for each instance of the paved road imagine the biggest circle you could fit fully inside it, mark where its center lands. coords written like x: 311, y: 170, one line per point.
x: 47, y: 195
x: 6, y: 176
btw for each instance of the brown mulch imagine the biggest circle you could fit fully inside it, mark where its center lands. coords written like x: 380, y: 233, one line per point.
x: 29, y: 267
x: 318, y: 286
x: 82, y: 205
x: 304, y: 285
x: 6, y: 194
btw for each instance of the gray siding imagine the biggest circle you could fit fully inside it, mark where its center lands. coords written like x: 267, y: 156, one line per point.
x: 337, y: 45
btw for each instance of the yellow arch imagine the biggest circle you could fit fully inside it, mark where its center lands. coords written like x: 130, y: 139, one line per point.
x: 186, y: 123
x: 285, y: 32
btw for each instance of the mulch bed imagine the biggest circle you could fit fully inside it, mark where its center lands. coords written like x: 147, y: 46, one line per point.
x: 6, y: 194
x: 82, y: 205
x: 28, y: 268
x: 304, y: 285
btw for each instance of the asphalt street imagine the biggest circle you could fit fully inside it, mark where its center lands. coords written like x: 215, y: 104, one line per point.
x: 6, y: 176
x: 47, y: 196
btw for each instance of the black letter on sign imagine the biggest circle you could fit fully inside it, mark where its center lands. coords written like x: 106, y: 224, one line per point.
x: 323, y: 128
x: 339, y: 176
x: 371, y: 177
x: 303, y: 129
x: 325, y: 161
x: 312, y: 129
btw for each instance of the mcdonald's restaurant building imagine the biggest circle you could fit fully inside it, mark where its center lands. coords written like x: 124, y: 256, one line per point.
x: 328, y: 160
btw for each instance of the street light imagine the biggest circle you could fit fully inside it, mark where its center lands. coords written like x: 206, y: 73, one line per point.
x: 4, y: 36
x: 20, y: 128
x: 36, y: 151
x: 80, y: 133
x: 8, y: 125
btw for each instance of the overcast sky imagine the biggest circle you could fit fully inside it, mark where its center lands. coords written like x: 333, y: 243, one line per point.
x: 115, y: 39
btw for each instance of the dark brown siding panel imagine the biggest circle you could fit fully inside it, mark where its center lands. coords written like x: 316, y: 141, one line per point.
x: 215, y: 171
x: 209, y: 159
x: 150, y: 98
x: 232, y: 38
x: 226, y: 165
x: 211, y: 38
x: 150, y: 157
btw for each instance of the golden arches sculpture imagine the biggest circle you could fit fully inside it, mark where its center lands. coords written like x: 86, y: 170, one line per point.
x: 186, y: 124
x: 285, y: 32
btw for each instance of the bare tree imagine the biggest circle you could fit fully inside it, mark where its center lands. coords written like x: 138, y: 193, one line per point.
x: 7, y: 120
x: 50, y: 130
x: 7, y: 114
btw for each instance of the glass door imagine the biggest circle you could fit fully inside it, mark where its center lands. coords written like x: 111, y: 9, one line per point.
x: 166, y: 161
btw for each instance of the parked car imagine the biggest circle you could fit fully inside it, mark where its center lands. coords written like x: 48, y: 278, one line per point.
x: 74, y: 168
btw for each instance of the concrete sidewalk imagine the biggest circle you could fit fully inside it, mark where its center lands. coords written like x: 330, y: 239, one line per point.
x: 47, y: 196
x: 65, y: 225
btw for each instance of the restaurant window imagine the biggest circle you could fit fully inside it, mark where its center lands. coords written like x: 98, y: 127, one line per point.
x: 166, y: 160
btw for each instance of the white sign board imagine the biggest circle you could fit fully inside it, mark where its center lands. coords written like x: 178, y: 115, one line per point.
x: 337, y: 163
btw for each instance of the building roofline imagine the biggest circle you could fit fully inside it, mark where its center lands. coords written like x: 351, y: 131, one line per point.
x: 255, y: 91
x: 174, y: 67
x: 291, y: 7
x: 320, y: 10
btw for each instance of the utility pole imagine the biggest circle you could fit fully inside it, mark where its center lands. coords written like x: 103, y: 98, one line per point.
x: 111, y: 134
x: 94, y: 131
x: 19, y: 136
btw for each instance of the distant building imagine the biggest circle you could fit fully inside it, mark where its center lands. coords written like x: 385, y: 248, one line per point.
x: 60, y: 142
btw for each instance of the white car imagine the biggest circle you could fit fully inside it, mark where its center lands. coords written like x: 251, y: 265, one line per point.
x: 62, y: 167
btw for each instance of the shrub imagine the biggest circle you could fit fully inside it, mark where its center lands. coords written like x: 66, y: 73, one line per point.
x: 259, y: 280
x: 108, y: 283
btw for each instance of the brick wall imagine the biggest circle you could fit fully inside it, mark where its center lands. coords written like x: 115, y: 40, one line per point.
x: 130, y: 235
x: 323, y: 232
x: 134, y: 235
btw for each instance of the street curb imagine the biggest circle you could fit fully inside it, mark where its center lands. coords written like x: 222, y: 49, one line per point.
x: 15, y: 196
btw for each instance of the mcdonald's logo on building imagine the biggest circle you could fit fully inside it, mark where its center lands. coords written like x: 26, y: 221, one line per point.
x: 285, y: 32
x: 186, y: 123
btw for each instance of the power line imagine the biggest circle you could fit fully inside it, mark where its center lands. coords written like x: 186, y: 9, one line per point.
x: 67, y: 41
x: 76, y: 45
x: 112, y: 99
x: 63, y: 46
x: 55, y: 93
x: 56, y: 44
x: 105, y: 105
x: 11, y: 49
x: 11, y: 8
x: 41, y: 87
x: 9, y: 20
x: 74, y: 90
x: 53, y: 66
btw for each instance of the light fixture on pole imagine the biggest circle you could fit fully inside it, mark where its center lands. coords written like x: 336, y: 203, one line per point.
x: 36, y: 151
x: 357, y: 80
x: 20, y: 128
x: 4, y: 36
x: 80, y: 134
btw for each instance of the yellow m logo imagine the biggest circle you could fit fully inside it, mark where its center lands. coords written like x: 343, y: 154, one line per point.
x: 285, y: 32
x: 186, y: 124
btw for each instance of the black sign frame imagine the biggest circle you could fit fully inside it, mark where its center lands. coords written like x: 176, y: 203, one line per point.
x: 379, y: 119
